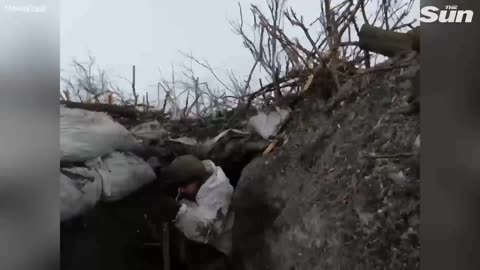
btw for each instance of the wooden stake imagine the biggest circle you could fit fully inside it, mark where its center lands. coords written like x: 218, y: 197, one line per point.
x: 270, y: 147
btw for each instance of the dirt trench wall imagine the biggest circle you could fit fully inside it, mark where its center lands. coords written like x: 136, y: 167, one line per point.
x: 324, y: 200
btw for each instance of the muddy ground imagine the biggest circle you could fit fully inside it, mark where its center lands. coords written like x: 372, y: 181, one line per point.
x: 343, y: 192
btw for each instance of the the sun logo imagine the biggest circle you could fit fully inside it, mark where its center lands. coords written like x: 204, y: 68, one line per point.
x: 451, y: 14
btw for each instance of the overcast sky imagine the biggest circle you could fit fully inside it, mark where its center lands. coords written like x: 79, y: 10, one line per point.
x: 150, y: 34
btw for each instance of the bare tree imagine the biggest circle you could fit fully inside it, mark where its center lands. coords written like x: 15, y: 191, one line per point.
x: 189, y: 96
x: 334, y: 46
x: 170, y: 96
x: 120, y: 94
x: 88, y: 82
x: 132, y: 85
x: 282, y: 63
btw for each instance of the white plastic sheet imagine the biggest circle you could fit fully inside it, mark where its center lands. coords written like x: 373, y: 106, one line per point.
x: 85, y: 135
x: 122, y: 174
x: 80, y: 190
x: 267, y: 125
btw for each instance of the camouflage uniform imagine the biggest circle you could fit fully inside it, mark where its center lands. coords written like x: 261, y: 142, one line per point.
x: 209, y: 219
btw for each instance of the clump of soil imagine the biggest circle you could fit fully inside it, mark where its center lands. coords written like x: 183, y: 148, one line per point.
x: 343, y: 191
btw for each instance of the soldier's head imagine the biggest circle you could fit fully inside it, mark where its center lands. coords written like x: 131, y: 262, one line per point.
x: 187, y: 173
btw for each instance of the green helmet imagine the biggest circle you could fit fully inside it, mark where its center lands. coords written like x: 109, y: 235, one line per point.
x: 184, y: 170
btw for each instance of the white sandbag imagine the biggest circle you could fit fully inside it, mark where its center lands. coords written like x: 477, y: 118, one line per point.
x: 80, y: 190
x: 85, y: 135
x: 122, y: 174
x: 150, y: 130
x: 267, y: 125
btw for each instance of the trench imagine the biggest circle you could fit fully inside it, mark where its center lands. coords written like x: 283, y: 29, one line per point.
x: 117, y: 235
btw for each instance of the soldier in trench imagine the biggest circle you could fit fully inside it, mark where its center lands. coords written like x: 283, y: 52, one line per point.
x: 203, y: 213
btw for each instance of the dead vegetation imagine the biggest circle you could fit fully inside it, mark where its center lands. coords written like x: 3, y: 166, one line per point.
x: 343, y: 42
x: 345, y: 185
x: 334, y: 61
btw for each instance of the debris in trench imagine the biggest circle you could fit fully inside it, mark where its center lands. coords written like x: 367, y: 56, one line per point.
x: 372, y: 220
x: 378, y: 200
x: 267, y: 125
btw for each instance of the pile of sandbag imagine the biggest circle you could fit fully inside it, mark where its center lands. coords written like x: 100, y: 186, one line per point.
x: 265, y: 124
x: 108, y: 170
x: 86, y: 135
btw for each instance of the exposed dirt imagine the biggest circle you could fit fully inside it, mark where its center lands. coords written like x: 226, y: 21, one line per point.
x: 343, y: 192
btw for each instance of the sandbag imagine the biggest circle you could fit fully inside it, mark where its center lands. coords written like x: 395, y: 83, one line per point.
x: 85, y: 135
x: 122, y: 174
x: 80, y: 190
x: 150, y: 130
x: 267, y: 125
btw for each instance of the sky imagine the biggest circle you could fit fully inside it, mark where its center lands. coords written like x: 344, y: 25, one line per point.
x: 150, y: 34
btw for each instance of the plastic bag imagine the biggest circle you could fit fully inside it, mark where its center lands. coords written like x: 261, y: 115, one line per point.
x: 80, y: 190
x: 85, y: 135
x: 267, y: 125
x: 122, y: 174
